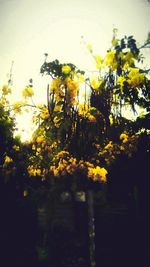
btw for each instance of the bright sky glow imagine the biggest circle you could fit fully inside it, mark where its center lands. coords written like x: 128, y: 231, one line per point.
x: 30, y: 28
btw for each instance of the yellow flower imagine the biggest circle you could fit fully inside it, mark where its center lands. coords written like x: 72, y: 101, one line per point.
x: 33, y: 171
x: 97, y: 174
x: 110, y: 60
x: 6, y: 90
x: 103, y: 172
x: 40, y: 139
x: 38, y: 172
x: 80, y: 77
x: 83, y: 109
x: 55, y: 84
x: 129, y: 58
x: 121, y: 81
x: 38, y: 150
x: 99, y: 61
x: 91, y: 118
x: 66, y: 69
x: 56, y: 172
x: 33, y: 147
x: 109, y: 146
x: 57, y: 121
x: 135, y: 78
x: 62, y: 154
x: 124, y: 137
x: 8, y: 160
x: 44, y: 113
x: 18, y: 105
x: 72, y: 84
x: 72, y: 91
x: 96, y: 83
x: 27, y: 92
x: 17, y: 148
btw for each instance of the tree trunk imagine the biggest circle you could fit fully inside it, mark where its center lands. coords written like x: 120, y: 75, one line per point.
x: 91, y: 227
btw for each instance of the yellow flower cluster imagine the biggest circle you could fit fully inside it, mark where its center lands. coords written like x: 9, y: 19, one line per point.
x: 28, y: 92
x: 7, y: 160
x: 95, y: 83
x: 99, y: 61
x: 62, y: 154
x: 16, y: 148
x: 83, y: 109
x: 42, y: 149
x: 66, y: 69
x: 121, y: 81
x: 124, y: 137
x: 110, y: 59
x: 40, y: 139
x: 57, y: 121
x: 97, y: 174
x: 17, y: 106
x: 135, y: 77
x: 87, y: 112
x: 69, y: 165
x: 112, y: 150
x: 109, y: 152
x: 33, y: 171
x: 65, y: 88
x: 65, y: 164
x: 6, y: 90
x: 72, y: 91
x: 127, y: 59
x: 44, y: 114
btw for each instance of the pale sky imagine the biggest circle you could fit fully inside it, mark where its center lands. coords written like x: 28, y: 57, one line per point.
x: 29, y: 28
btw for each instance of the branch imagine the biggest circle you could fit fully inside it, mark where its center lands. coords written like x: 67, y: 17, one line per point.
x: 145, y: 45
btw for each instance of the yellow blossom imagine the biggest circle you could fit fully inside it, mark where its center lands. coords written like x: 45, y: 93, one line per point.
x: 80, y: 77
x: 18, y: 105
x: 83, y: 109
x: 96, y: 83
x: 56, y: 172
x: 103, y: 172
x: 57, y: 121
x: 91, y: 118
x: 62, y: 154
x: 110, y: 59
x: 109, y: 146
x: 44, y: 113
x: 129, y: 58
x: 33, y: 147
x: 72, y: 84
x: 33, y: 171
x: 66, y: 69
x: 121, y: 81
x: 97, y: 174
x: 135, y: 77
x: 124, y: 137
x: 99, y: 61
x: 28, y: 92
x: 8, y: 160
x: 6, y: 90
x: 38, y: 150
x: 57, y: 87
x: 40, y: 139
x: 17, y: 148
x: 55, y: 84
